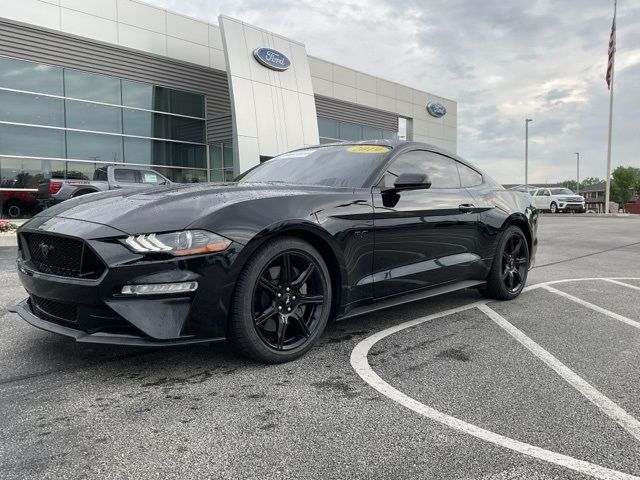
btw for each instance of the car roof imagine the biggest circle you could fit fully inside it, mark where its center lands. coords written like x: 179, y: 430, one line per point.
x: 407, y: 145
x: 389, y: 143
x: 126, y: 167
x: 396, y: 145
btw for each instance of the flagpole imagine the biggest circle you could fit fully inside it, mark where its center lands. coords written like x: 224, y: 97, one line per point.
x: 613, y: 61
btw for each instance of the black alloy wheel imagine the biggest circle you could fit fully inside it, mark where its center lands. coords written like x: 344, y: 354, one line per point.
x: 514, y: 262
x: 510, y: 266
x: 553, y: 208
x: 282, y: 303
x: 288, y: 300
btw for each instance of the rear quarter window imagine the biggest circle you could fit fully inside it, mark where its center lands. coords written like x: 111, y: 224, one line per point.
x: 100, y: 175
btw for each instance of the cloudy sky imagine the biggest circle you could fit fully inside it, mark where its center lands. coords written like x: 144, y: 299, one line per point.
x: 501, y: 60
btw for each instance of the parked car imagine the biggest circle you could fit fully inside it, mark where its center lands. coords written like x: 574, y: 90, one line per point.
x: 55, y: 191
x: 18, y: 203
x: 325, y: 232
x: 558, y: 200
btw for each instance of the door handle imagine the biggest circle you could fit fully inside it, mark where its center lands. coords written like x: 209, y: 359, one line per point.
x: 467, y: 208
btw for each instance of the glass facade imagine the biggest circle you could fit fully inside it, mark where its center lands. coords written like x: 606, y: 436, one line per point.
x: 65, y: 123
x: 336, y: 131
x: 221, y: 162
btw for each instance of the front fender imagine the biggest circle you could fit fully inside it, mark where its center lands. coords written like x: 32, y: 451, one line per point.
x: 305, y: 229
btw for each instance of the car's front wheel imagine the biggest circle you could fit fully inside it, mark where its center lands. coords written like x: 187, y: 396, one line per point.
x: 553, y: 208
x: 282, y: 301
x: 510, y: 266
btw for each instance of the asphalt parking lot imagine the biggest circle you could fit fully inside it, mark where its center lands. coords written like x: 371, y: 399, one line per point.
x: 546, y: 386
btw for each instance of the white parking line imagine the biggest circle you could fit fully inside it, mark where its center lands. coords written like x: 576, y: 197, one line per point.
x: 360, y: 364
x: 596, y: 308
x: 609, y: 408
x: 569, y: 280
x: 611, y: 280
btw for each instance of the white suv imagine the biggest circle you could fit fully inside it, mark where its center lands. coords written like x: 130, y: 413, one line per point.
x: 558, y: 200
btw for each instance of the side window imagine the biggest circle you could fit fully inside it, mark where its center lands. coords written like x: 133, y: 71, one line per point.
x: 150, y: 177
x: 546, y: 193
x: 442, y: 170
x: 468, y: 176
x: 125, y: 175
x: 100, y: 174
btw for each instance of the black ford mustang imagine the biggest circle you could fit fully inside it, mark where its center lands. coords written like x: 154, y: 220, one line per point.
x: 326, y: 232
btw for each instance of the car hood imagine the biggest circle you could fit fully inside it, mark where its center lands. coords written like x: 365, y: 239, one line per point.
x: 165, y: 208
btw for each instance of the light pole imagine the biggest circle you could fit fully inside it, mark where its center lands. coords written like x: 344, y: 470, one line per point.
x: 578, y: 173
x: 526, y: 150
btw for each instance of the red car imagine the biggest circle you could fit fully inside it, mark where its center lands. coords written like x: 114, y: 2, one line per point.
x: 16, y: 203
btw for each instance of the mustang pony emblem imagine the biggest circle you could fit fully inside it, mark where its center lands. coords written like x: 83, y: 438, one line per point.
x: 45, y: 249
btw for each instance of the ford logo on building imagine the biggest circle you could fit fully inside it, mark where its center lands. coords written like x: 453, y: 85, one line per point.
x: 436, y: 109
x: 272, y: 59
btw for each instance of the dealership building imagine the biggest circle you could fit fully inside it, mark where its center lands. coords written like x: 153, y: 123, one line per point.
x: 85, y: 84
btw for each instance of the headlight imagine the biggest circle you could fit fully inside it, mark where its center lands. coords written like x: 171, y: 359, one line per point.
x: 186, y: 242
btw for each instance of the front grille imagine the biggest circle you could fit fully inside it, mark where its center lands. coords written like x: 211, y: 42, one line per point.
x: 54, y: 311
x: 62, y: 256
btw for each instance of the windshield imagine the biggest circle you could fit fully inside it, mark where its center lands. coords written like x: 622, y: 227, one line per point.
x: 561, y: 191
x: 334, y: 166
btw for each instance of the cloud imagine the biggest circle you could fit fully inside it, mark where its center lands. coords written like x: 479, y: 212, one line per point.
x: 502, y: 62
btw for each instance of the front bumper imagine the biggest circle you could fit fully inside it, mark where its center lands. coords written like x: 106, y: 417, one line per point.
x: 24, y: 310
x: 573, y: 206
x: 94, y: 310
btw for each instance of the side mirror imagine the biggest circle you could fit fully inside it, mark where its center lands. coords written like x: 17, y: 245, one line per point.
x: 410, y: 181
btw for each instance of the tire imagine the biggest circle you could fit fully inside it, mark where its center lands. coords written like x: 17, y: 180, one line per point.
x: 510, y: 264
x: 553, y: 208
x: 14, y: 209
x: 276, y: 316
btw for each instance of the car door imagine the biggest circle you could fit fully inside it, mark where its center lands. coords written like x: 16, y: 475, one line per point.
x: 542, y: 199
x: 125, y: 178
x: 422, y: 238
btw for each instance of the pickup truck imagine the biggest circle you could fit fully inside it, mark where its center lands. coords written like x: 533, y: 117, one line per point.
x: 16, y: 203
x: 112, y: 177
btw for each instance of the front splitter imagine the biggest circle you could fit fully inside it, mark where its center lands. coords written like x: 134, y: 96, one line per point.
x: 24, y: 311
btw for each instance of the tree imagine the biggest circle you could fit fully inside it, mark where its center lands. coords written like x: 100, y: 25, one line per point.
x: 623, y: 183
x: 587, y: 182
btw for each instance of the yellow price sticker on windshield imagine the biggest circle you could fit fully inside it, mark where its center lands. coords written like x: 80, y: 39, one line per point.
x: 368, y: 149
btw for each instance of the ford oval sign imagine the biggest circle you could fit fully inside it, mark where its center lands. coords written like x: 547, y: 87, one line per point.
x: 436, y: 109
x: 272, y: 59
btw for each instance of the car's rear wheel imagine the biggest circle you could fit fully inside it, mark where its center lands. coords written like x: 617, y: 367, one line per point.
x: 282, y: 301
x: 14, y: 209
x: 510, y: 266
x: 553, y: 208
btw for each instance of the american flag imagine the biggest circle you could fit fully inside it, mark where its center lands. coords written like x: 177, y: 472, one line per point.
x: 612, y: 52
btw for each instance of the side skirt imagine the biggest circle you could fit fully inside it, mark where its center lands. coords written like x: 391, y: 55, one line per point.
x: 411, y: 297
